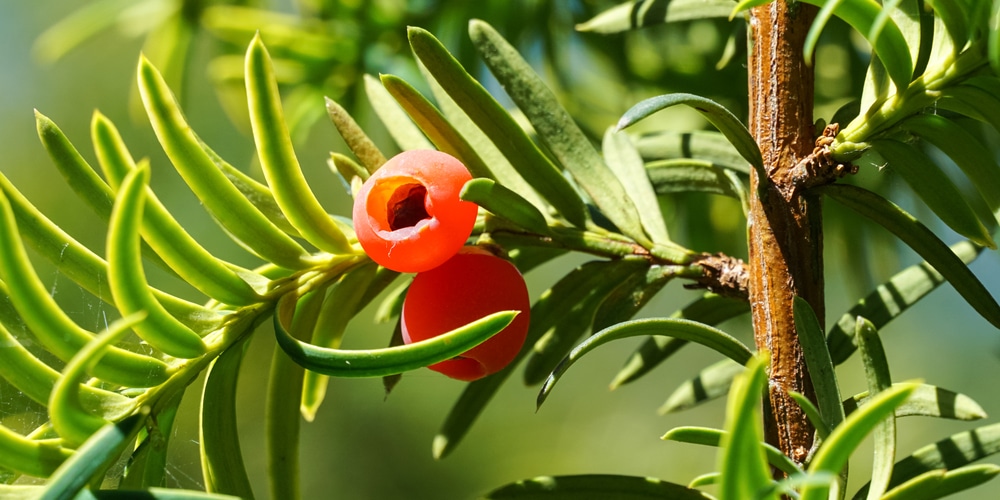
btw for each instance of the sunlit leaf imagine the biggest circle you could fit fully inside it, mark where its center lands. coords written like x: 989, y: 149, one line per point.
x: 743, y: 463
x: 941, y: 483
x: 713, y: 437
x: 624, y: 160
x: 406, y: 134
x: 877, y: 375
x: 505, y: 203
x: 643, y: 13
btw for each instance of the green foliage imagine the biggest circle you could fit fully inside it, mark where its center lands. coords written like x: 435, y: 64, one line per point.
x: 547, y: 184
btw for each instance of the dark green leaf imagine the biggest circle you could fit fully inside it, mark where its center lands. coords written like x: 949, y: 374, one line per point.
x: 890, y: 299
x: 221, y: 457
x: 499, y: 126
x: 557, y: 129
x: 711, y: 382
x: 952, y: 453
x: 626, y: 163
x: 923, y: 241
x: 593, y: 487
x: 722, y: 118
x: 818, y: 361
x: 941, y: 483
x: 878, y: 378
x: 678, y: 328
x: 93, y: 458
x: 710, y: 309
x: 929, y: 401
x: 935, y: 189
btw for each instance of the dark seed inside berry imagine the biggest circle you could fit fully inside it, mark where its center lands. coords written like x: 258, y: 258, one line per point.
x: 406, y: 206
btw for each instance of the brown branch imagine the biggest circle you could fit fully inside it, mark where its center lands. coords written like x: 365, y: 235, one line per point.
x: 784, y: 223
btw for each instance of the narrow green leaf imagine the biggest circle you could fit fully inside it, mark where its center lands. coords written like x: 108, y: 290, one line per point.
x: 36, y: 379
x: 68, y: 416
x: 565, y: 326
x: 443, y: 133
x: 821, y: 371
x: 342, y: 302
x: 216, y: 192
x: 381, y: 362
x: 993, y: 37
x: 713, y: 437
x: 935, y: 189
x: 557, y: 129
x: 505, y: 203
x: 812, y: 413
x: 351, y: 173
x: 941, y: 483
x: 158, y: 494
x: 594, y: 486
x: 50, y: 324
x: 452, y: 120
x: 877, y: 375
x: 128, y: 280
x: 929, y: 401
x: 277, y: 157
x: 221, y: 457
x: 625, y: 162
x: 631, y: 296
x: 687, y: 175
x: 282, y: 419
x: 890, y: 299
x: 845, y: 438
x: 406, y: 134
x: 743, y: 463
x: 259, y: 194
x: 951, y: 453
x: 710, y: 309
x: 147, y: 465
x: 356, y: 138
x: 499, y: 127
x: 93, y: 458
x: 711, y: 382
x: 78, y: 173
x: 29, y: 456
x: 965, y: 150
x: 889, y: 44
x: 719, y: 116
x: 923, y: 241
x: 954, y: 18
x: 702, y: 145
x: 816, y: 29
x: 688, y: 330
x: 162, y: 232
x: 86, y: 268
x: 973, y: 102
x: 642, y: 13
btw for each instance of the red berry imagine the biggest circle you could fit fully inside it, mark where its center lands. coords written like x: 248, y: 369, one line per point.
x: 470, y: 285
x: 408, y: 216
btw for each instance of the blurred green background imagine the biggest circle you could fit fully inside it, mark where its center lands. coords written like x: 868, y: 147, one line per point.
x: 365, y: 446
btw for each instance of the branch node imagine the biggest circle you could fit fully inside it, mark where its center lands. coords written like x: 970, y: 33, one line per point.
x: 724, y: 275
x: 819, y: 167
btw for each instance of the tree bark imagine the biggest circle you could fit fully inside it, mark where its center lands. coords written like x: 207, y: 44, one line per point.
x: 784, y: 224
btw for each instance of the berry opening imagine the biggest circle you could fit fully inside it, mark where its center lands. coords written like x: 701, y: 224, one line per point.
x: 407, y: 206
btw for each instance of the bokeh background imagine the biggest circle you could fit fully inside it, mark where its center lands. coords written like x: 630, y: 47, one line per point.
x: 364, y: 445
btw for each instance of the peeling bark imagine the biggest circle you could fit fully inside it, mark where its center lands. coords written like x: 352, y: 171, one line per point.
x: 784, y: 224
